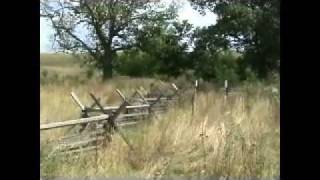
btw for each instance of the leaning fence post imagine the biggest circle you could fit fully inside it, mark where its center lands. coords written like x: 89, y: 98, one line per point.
x: 194, y: 97
x: 84, y: 113
x: 77, y: 101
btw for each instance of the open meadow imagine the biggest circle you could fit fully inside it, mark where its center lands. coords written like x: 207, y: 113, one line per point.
x: 239, y: 136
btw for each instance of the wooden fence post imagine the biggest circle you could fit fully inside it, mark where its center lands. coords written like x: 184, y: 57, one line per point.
x: 84, y: 113
x: 77, y: 101
x: 144, y: 101
x: 194, y: 97
x: 176, y: 93
x: 226, y: 90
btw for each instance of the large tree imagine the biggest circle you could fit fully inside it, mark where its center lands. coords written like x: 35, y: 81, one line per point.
x: 98, y: 29
x: 162, y: 50
x: 250, y: 26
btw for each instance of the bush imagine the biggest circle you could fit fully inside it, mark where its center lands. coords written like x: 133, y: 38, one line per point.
x: 44, y: 73
x: 90, y: 73
x: 225, y: 68
x: 250, y: 76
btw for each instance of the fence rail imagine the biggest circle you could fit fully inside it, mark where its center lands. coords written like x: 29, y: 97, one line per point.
x: 73, y: 122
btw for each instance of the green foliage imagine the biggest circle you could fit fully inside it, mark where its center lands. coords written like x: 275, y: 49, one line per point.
x: 90, y: 73
x: 218, y: 67
x: 252, y: 27
x: 225, y: 68
x: 135, y: 63
x: 250, y: 75
x: 164, y: 44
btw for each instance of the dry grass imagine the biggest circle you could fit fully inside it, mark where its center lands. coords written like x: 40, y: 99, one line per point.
x: 60, y: 64
x: 240, y: 138
x: 237, y: 138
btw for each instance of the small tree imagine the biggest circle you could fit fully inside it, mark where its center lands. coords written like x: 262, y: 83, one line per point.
x: 110, y: 25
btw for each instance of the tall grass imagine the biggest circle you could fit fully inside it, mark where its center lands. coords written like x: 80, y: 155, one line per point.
x: 237, y: 138
x: 240, y: 137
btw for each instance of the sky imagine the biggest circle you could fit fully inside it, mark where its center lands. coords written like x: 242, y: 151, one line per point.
x: 186, y: 12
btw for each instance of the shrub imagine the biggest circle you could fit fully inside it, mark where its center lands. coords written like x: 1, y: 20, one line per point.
x: 90, y: 73
x: 250, y: 76
x: 44, y: 73
x: 225, y: 68
x: 135, y: 64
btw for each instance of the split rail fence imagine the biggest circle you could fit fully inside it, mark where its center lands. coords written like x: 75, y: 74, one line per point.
x: 98, y: 122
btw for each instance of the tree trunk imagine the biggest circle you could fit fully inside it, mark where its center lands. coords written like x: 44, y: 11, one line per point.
x: 107, y: 68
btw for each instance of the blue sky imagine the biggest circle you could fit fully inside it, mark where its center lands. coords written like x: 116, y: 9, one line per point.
x: 185, y: 13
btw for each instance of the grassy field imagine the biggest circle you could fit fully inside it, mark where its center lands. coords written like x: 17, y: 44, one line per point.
x: 60, y: 64
x: 237, y: 138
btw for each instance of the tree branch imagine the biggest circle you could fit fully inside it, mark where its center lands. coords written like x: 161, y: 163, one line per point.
x: 69, y: 32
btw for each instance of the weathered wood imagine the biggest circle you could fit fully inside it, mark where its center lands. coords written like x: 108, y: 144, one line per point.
x: 152, y: 112
x: 117, y: 113
x: 142, y: 97
x: 174, y: 86
x: 114, y: 108
x: 162, y: 99
x: 160, y: 109
x: 77, y: 101
x: 98, y: 131
x: 120, y: 94
x: 94, y: 104
x: 160, y: 104
x: 76, y: 144
x: 194, y: 97
x: 154, y: 99
x: 226, y: 89
x: 134, y: 94
x: 73, y: 122
x: 127, y: 123
x: 132, y: 115
x: 90, y: 148
x: 124, y: 117
x: 96, y: 101
x: 113, y: 116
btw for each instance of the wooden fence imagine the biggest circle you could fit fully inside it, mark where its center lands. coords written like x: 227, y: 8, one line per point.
x: 98, y: 123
